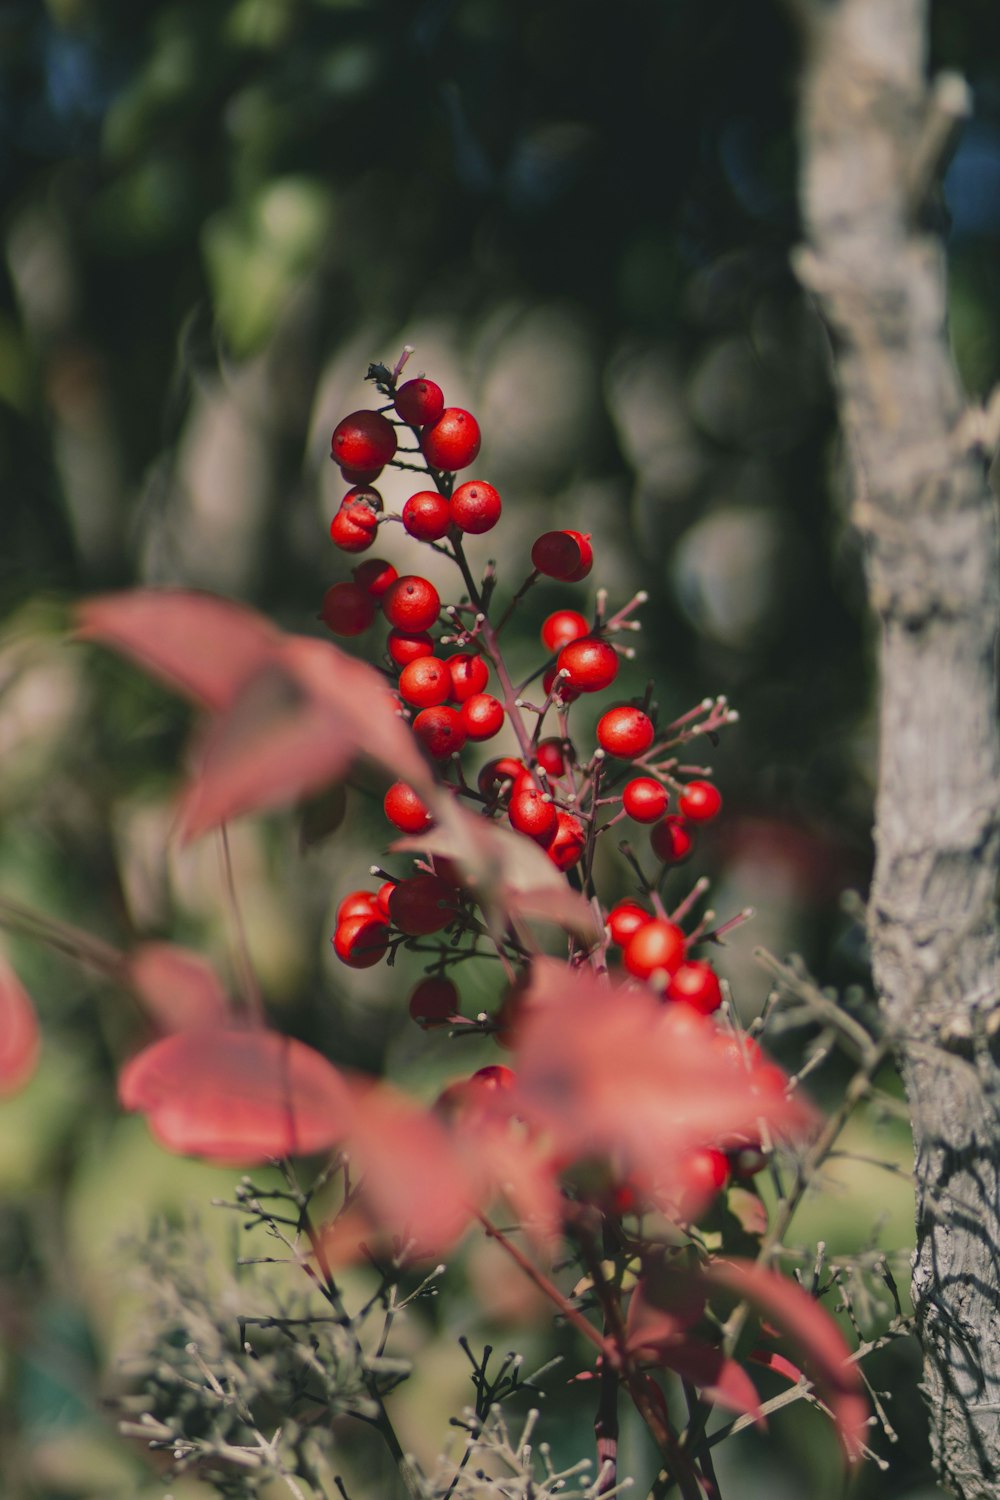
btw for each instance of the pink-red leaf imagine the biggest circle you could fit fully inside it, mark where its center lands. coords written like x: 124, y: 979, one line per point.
x: 19, y: 1040
x: 664, y: 1334
x: 237, y: 1097
x: 178, y: 988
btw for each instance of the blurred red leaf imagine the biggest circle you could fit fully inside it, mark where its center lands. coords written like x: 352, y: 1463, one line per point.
x: 815, y: 1335
x: 178, y: 988
x: 19, y: 1039
x: 664, y: 1334
x: 237, y: 1097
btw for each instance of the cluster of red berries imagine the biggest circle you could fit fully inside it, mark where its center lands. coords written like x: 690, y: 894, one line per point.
x: 546, y: 792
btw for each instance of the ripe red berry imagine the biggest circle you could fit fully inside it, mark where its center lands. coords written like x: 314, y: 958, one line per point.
x: 591, y: 663
x: 375, y: 576
x: 469, y: 675
x: 405, y: 810
x: 563, y: 554
x: 563, y: 626
x: 671, y: 840
x: 412, y: 603
x: 360, y: 942
x: 452, y: 442
x: 644, y: 799
x: 421, y: 905
x: 359, y: 477
x: 482, y: 716
x: 553, y: 683
x: 427, y: 516
x: 531, y: 812
x: 656, y: 945
x: 625, y: 919
x: 354, y: 527
x: 700, y: 801
x: 358, y: 904
x: 494, y: 1077
x: 569, y: 842
x: 424, y: 683
x: 347, y: 609
x: 364, y: 440
x: 696, y: 983
x: 704, y: 1172
x: 551, y: 756
x: 367, y: 495
x: 625, y: 732
x: 497, y: 774
x: 419, y: 402
x: 475, y: 507
x: 404, y: 646
x: 440, y: 731
x: 382, y: 897
x: 433, y: 1001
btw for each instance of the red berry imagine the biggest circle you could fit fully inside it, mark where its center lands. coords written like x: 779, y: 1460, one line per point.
x: 364, y: 440
x: 421, y: 905
x: 475, y: 507
x: 704, y: 1172
x: 625, y: 732
x: 358, y: 904
x: 532, y: 813
x: 700, y: 801
x: 482, y: 716
x: 644, y: 799
x: 563, y: 626
x: 354, y: 526
x: 452, y: 442
x: 424, y: 683
x: 671, y: 840
x: 740, y: 1051
x: 656, y: 945
x: 563, y: 554
x: 569, y: 842
x: 360, y: 942
x: 366, y: 495
x: 591, y: 663
x: 419, y: 402
x: 382, y: 897
x: 551, y: 756
x: 553, y: 683
x: 696, y: 983
x: 347, y: 609
x: 625, y: 919
x: 493, y: 1077
x: 375, y: 576
x: 496, y: 774
x: 405, y: 810
x: 412, y: 603
x: 359, y: 477
x: 440, y: 731
x: 434, y: 1001
x: 469, y: 675
x: 404, y: 646
x: 427, y: 516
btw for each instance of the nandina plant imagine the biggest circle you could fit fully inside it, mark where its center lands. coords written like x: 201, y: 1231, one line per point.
x: 622, y: 1126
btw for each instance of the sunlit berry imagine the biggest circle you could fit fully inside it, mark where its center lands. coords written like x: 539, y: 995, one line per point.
x: 440, y: 731
x: 412, y: 603
x: 671, y: 840
x: 570, y: 840
x: 625, y: 732
x: 375, y: 576
x: 532, y: 813
x: 592, y: 664
x: 656, y: 945
x: 405, y: 810
x: 452, y: 442
x: 419, y: 401
x: 469, y: 674
x: 563, y: 626
x: 700, y: 801
x: 482, y: 716
x: 644, y: 799
x: 347, y: 609
x: 696, y: 983
x: 363, y: 440
x: 424, y: 683
x: 354, y: 527
x: 358, y: 904
x: 475, y: 507
x: 704, y: 1172
x: 427, y: 516
x: 625, y: 919
x: 360, y: 942
x: 405, y: 646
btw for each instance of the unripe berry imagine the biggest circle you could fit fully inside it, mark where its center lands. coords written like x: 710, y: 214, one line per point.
x: 452, y: 442
x: 551, y: 756
x: 424, y: 683
x: 360, y: 942
x: 533, y: 814
x: 625, y: 732
x: 364, y: 440
x: 475, y: 507
x: 412, y: 603
x: 563, y: 626
x: 434, y: 1001
x: 563, y: 554
x: 421, y: 905
x: 354, y: 527
x: 419, y: 402
x: 482, y: 716
x: 671, y: 840
x: 347, y: 609
x: 656, y: 945
x: 497, y: 774
x: 569, y: 842
x: 405, y: 810
x: 440, y: 731
x: 625, y: 919
x: 644, y: 799
x: 405, y: 646
x: 700, y: 801
x: 696, y: 983
x: 375, y: 576
x: 469, y: 675
x: 427, y: 516
x: 591, y: 663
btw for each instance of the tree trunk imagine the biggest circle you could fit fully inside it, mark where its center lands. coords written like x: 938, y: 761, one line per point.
x: 922, y: 500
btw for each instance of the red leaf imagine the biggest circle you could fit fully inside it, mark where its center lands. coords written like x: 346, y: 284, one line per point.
x: 237, y: 1097
x: 665, y: 1333
x: 179, y: 989
x: 203, y: 647
x: 19, y: 1040
x: 815, y: 1334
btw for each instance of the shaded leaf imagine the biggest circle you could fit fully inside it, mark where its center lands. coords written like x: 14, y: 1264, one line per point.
x: 178, y: 988
x: 19, y: 1038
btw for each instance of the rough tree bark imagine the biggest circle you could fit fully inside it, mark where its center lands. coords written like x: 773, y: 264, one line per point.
x: 922, y: 500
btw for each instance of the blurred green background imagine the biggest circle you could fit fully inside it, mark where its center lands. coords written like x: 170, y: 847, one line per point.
x: 214, y: 214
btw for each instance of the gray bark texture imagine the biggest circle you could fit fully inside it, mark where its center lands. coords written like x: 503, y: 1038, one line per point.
x: 870, y: 128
